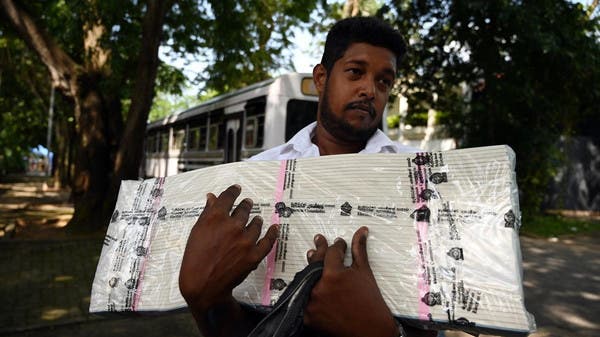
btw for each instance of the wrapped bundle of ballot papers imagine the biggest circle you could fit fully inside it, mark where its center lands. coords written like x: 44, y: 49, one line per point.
x: 443, y: 233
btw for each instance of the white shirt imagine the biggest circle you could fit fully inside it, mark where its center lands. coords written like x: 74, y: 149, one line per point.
x: 301, y: 146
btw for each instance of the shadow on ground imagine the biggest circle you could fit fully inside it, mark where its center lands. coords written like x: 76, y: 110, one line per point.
x: 31, y: 209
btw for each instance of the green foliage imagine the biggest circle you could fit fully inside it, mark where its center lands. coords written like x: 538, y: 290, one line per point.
x: 239, y: 51
x: 169, y: 98
x: 24, y: 92
x: 167, y: 104
x: 169, y: 79
x: 393, y: 121
x: 247, y: 39
x: 552, y: 225
x: 505, y: 72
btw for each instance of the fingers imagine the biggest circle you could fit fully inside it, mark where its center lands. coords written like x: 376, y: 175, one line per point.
x: 227, y: 197
x: 359, y: 248
x: 242, y: 212
x: 264, y: 245
x: 210, y: 200
x: 334, y: 257
x: 317, y: 254
x: 254, y: 227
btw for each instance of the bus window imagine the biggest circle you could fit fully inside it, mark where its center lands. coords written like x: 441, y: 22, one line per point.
x: 178, y: 140
x: 193, y: 138
x: 260, y: 130
x: 216, y: 134
x: 197, y: 139
x: 163, y: 141
x: 216, y: 130
x: 299, y: 114
x: 250, y: 132
x: 255, y: 126
x: 213, y: 139
x: 255, y: 122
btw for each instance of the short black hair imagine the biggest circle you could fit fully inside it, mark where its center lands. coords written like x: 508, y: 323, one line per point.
x: 369, y: 30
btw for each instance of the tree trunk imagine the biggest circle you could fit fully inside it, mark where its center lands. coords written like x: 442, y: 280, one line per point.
x: 129, y: 155
x: 102, y: 157
x: 92, y: 161
x: 64, y: 135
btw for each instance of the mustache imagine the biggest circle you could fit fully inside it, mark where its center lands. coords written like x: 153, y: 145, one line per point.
x: 362, y: 105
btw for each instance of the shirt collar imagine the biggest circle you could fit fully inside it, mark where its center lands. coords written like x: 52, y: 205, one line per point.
x: 378, y: 142
x: 302, y: 141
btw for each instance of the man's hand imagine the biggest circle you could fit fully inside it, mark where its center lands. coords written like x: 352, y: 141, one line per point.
x: 221, y: 251
x: 346, y: 301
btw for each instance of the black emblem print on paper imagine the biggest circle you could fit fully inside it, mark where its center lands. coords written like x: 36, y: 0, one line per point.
x: 162, y: 213
x: 108, y: 240
x: 428, y: 194
x: 346, y: 209
x: 421, y: 159
x: 157, y: 193
x: 432, y: 299
x: 421, y: 214
x: 278, y: 284
x: 510, y: 219
x: 113, y: 282
x: 141, y: 251
x: 144, y: 221
x: 456, y: 253
x: 131, y: 283
x: 283, y: 210
x: 439, y: 177
x: 115, y: 216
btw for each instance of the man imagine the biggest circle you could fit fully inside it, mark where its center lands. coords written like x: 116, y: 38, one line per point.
x: 354, y: 80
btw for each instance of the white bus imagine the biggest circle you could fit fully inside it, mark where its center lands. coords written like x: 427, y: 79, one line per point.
x: 230, y: 127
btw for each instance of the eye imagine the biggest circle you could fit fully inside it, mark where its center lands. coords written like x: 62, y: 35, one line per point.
x: 386, y: 83
x: 354, y: 72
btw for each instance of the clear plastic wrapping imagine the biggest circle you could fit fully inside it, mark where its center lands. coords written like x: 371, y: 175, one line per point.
x: 443, y: 233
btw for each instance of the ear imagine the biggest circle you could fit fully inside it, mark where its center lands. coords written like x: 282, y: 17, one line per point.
x: 319, y: 77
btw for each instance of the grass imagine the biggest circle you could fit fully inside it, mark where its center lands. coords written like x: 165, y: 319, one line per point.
x: 553, y: 225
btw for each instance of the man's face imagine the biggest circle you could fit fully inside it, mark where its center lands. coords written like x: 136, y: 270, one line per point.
x: 356, y: 91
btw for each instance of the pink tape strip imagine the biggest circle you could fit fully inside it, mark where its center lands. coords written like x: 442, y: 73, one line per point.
x: 266, y: 291
x: 422, y: 227
x: 155, y: 203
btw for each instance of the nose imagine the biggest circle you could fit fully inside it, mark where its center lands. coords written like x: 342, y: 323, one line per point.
x: 367, y: 88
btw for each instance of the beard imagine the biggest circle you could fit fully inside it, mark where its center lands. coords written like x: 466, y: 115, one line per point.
x: 340, y: 128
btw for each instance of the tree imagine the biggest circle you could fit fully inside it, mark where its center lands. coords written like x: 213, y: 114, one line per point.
x: 246, y: 50
x: 22, y: 121
x: 166, y: 104
x: 531, y: 70
x: 103, y: 57
x: 83, y: 76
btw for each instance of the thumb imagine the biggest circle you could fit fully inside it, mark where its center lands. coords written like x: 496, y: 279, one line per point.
x: 359, y: 248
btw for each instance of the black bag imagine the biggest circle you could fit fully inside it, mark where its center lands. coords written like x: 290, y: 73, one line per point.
x: 286, y: 318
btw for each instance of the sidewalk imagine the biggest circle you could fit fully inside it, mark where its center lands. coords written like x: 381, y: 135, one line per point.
x: 45, y: 289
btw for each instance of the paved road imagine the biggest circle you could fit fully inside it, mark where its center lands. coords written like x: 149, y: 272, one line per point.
x: 562, y: 285
x: 45, y: 289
